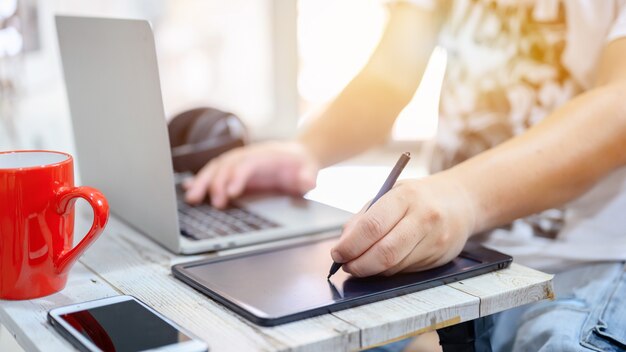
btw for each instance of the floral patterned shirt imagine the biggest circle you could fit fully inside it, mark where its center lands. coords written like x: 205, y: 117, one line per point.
x: 505, y: 74
x: 510, y: 64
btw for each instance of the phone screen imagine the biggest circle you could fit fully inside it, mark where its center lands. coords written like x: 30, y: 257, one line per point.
x: 124, y: 326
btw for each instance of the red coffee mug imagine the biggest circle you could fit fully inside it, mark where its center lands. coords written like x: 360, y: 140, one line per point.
x: 37, y: 197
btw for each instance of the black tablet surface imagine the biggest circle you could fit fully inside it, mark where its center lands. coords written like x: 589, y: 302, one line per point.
x: 281, y: 285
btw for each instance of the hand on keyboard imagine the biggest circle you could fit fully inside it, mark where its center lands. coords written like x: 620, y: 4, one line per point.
x: 282, y: 166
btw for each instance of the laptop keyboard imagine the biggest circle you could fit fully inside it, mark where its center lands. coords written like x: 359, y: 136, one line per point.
x: 204, y: 221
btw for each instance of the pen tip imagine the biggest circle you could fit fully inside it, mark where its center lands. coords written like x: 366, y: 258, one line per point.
x: 328, y: 277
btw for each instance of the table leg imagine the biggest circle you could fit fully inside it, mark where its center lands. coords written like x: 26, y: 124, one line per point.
x: 469, y: 336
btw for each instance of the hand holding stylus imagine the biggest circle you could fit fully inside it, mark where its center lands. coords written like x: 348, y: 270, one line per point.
x: 416, y: 225
x: 389, y: 182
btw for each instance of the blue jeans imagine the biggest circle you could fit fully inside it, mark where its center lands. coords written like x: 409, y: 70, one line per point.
x: 588, y: 314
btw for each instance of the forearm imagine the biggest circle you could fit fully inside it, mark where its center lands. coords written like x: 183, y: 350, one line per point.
x: 363, y: 114
x: 359, y: 118
x: 549, y: 165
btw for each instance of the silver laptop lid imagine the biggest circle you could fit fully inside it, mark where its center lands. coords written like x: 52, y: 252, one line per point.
x: 120, y: 130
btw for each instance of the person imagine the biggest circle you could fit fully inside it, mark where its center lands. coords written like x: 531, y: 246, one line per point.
x: 530, y: 157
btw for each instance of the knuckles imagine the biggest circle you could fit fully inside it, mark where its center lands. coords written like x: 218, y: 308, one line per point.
x: 353, y: 270
x: 432, y: 216
x: 371, y: 227
x: 391, y: 271
x: 443, y: 241
x: 388, y: 255
x: 409, y: 190
x: 347, y: 253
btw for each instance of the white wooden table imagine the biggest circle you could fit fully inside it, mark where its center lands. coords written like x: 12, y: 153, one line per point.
x: 123, y: 261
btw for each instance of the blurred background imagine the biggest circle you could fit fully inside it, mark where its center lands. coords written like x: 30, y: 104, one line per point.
x: 272, y: 62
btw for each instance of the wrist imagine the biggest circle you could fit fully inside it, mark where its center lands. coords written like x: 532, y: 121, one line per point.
x: 466, y: 204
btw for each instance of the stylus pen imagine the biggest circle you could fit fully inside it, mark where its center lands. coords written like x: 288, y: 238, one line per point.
x: 389, y: 182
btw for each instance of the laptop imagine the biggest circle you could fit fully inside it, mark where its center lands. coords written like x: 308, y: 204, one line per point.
x: 122, y: 145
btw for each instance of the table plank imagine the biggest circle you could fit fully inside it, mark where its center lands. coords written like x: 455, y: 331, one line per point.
x: 508, y: 288
x: 411, y: 314
x: 26, y: 320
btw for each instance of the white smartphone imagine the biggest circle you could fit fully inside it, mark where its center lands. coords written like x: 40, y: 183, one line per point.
x: 121, y: 324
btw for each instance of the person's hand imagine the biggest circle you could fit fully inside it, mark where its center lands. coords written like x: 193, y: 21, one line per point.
x: 286, y: 167
x: 417, y: 225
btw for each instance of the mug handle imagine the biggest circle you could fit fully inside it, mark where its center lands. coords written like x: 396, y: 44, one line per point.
x: 66, y: 199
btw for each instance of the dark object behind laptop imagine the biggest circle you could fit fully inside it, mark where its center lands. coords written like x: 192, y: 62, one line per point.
x: 199, y: 135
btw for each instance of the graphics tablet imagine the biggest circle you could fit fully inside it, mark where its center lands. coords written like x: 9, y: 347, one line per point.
x: 280, y: 285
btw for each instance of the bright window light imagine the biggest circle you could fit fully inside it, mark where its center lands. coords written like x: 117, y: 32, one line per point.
x: 335, y: 40
x: 418, y: 120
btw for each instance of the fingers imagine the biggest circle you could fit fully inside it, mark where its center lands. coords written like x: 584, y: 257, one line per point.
x: 413, y: 262
x: 424, y: 257
x: 269, y: 166
x: 239, y: 180
x: 388, y: 252
x: 369, y: 228
x: 214, y: 178
x: 196, y: 188
x: 347, y: 227
x: 187, y: 183
x: 437, y: 246
x: 221, y: 177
